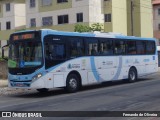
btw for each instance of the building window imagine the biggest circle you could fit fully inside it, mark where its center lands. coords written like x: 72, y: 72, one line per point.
x: 32, y: 3
x: 62, y: 1
x: 158, y: 11
x: 8, y: 25
x: 47, y: 21
x: 33, y: 22
x: 159, y: 26
x: 79, y: 17
x: 159, y: 42
x: 107, y: 17
x: 46, y: 2
x: 8, y: 7
x: 62, y: 19
x: 0, y: 8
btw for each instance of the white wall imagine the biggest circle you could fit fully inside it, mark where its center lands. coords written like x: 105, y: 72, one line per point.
x: 7, y: 16
x: 20, y: 17
x: 78, y: 6
x: 95, y: 11
x: 156, y: 19
x: 7, y: 19
x: 31, y: 10
x: 16, y: 15
x: 3, y: 43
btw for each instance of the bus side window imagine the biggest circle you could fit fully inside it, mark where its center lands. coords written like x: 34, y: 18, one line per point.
x: 106, y: 47
x: 76, y: 47
x: 131, y: 47
x: 150, y: 47
x: 119, y: 47
x: 92, y: 46
x: 140, y: 47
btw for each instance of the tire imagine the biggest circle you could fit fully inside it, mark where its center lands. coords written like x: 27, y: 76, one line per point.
x: 72, y: 83
x: 132, y: 75
x: 42, y: 90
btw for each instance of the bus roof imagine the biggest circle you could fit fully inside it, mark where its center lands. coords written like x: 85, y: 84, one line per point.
x: 90, y: 34
x: 97, y: 34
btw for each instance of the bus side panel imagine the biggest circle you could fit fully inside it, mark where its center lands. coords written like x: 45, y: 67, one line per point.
x: 137, y: 62
x: 107, y: 67
x: 80, y: 65
x: 58, y: 80
x: 151, y: 64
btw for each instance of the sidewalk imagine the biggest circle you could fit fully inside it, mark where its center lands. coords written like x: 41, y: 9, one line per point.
x: 3, y: 83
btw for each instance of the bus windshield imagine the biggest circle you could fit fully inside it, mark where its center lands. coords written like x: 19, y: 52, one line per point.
x: 25, y: 54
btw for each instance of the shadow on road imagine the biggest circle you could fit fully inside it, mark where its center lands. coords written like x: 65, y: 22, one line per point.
x: 61, y: 91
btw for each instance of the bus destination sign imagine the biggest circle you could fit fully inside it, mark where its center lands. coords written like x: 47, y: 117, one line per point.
x: 24, y: 36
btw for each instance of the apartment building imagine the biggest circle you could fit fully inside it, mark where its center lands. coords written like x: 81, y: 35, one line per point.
x: 130, y: 17
x: 62, y: 14
x: 156, y: 20
x: 140, y: 18
x: 12, y: 18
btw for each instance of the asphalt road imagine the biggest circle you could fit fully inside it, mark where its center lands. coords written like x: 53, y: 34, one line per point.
x: 143, y: 95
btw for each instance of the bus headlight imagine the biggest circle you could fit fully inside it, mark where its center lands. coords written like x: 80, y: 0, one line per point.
x: 37, y: 76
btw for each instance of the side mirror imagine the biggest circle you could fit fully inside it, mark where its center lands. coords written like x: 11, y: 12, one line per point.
x: 3, y: 52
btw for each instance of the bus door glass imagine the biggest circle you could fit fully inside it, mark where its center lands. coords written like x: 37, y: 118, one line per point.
x: 55, y: 50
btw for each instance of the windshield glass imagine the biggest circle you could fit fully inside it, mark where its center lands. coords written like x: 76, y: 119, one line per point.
x: 25, y: 54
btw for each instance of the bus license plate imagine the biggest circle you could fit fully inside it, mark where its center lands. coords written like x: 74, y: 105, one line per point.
x: 19, y: 85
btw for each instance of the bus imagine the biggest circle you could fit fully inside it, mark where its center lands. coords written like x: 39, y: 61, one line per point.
x: 45, y: 59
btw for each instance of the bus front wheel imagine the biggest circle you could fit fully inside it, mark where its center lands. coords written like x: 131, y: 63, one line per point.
x: 72, y: 83
x: 132, y: 75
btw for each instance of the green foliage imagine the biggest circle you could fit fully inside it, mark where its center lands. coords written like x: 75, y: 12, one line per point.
x: 1, y: 59
x: 97, y: 27
x: 84, y: 28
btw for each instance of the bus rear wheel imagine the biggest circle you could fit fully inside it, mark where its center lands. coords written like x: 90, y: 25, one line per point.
x: 132, y: 75
x: 72, y: 83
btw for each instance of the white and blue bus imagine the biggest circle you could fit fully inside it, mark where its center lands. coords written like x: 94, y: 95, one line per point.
x: 47, y: 59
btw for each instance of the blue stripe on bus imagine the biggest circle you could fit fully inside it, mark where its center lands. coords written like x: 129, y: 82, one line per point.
x: 93, y: 68
x: 70, y: 33
x: 134, y: 38
x: 116, y: 76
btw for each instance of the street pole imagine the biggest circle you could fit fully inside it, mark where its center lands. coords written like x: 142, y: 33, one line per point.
x: 132, y: 7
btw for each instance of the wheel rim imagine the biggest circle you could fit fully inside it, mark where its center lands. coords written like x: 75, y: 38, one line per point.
x: 132, y: 75
x: 73, y: 83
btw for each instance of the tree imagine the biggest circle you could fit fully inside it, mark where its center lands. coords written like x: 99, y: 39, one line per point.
x: 97, y: 27
x: 84, y: 28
